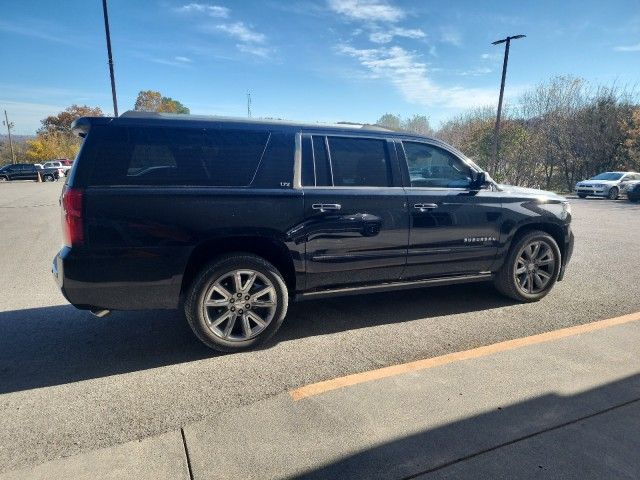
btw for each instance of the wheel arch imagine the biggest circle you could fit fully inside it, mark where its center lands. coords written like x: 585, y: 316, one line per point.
x: 556, y: 231
x: 273, y: 250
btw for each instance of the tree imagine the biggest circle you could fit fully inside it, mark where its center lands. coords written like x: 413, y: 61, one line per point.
x: 170, y: 105
x: 632, y: 138
x: 62, y: 121
x: 55, y: 138
x: 51, y: 146
x: 152, y: 101
x: 418, y: 124
x: 390, y: 121
x: 19, y: 147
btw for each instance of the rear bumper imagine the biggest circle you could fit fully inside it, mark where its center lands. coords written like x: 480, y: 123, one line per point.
x: 105, y: 282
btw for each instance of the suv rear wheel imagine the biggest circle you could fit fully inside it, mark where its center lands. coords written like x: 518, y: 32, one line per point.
x: 236, y: 302
x: 531, y: 268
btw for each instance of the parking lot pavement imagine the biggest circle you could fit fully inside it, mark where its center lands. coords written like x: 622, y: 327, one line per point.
x: 71, y: 383
x: 561, y: 404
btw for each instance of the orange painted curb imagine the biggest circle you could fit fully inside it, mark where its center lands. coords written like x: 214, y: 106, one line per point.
x: 393, y: 370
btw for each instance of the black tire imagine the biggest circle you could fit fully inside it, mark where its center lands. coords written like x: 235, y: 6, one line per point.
x: 582, y: 195
x: 505, y: 279
x: 49, y: 178
x: 196, y: 313
x: 613, y: 194
x: 4, y: 179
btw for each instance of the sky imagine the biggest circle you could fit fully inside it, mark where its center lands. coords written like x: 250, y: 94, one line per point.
x: 317, y: 61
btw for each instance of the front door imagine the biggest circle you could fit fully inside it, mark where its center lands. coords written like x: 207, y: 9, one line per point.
x: 22, y: 172
x: 356, y: 219
x: 454, y: 229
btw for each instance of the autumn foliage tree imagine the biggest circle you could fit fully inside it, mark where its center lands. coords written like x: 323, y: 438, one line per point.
x: 152, y: 101
x: 55, y: 139
x: 557, y: 133
x: 61, y: 122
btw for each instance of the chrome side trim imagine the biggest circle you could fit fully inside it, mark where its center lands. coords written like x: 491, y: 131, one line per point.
x: 297, y: 162
x: 383, y: 287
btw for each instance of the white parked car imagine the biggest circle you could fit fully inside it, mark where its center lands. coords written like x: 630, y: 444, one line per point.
x: 57, y: 164
x: 608, y: 184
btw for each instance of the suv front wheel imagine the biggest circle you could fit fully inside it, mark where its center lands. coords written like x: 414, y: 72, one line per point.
x: 236, y: 302
x: 531, y: 268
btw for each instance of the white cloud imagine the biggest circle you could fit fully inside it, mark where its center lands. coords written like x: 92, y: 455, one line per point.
x: 628, y: 48
x: 258, y: 51
x: 380, y: 36
x: 476, y: 72
x: 409, y: 75
x: 36, y: 31
x: 182, y: 59
x: 367, y: 10
x: 491, y: 56
x: 211, y: 10
x: 450, y: 35
x: 241, y: 32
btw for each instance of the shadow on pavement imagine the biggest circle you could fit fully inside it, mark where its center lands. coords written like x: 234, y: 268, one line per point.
x: 331, y: 315
x: 592, y: 434
x: 54, y: 345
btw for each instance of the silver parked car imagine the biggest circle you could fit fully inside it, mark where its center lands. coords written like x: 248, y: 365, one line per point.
x: 608, y: 184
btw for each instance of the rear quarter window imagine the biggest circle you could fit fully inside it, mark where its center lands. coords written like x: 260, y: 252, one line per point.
x: 173, y: 156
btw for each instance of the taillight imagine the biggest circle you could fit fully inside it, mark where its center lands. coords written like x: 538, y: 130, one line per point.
x: 72, y: 225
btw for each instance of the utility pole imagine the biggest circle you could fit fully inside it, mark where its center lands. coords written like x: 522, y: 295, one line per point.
x: 249, y: 104
x: 110, y: 56
x: 496, y: 133
x: 13, y: 155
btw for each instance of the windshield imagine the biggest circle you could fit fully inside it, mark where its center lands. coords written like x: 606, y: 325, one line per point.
x: 607, y: 176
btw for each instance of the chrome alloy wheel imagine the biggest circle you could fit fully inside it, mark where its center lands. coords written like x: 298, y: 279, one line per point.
x: 535, y: 267
x: 239, y: 305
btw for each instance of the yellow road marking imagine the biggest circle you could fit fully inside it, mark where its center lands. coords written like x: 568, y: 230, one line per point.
x: 393, y: 370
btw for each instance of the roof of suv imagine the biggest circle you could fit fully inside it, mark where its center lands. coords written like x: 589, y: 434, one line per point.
x: 132, y: 117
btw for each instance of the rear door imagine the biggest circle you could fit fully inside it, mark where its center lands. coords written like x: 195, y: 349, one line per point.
x: 454, y: 229
x: 31, y: 173
x: 356, y: 220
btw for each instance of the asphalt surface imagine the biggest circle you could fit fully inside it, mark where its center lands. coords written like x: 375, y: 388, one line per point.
x: 70, y: 382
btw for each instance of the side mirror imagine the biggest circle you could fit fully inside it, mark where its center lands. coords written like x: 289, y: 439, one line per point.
x: 478, y: 180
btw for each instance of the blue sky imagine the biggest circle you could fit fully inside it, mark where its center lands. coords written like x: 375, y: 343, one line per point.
x: 322, y: 60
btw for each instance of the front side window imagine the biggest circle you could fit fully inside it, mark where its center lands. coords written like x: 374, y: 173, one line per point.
x: 359, y: 162
x: 431, y: 166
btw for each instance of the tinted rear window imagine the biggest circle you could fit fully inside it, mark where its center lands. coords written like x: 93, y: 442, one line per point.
x: 173, y: 156
x: 359, y: 162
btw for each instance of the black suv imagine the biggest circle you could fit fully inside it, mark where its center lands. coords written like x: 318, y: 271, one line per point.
x: 19, y: 171
x: 230, y: 219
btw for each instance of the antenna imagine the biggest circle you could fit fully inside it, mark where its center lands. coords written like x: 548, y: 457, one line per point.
x: 249, y: 104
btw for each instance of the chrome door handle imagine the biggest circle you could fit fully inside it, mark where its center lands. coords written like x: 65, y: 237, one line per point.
x: 425, y: 206
x: 323, y: 207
